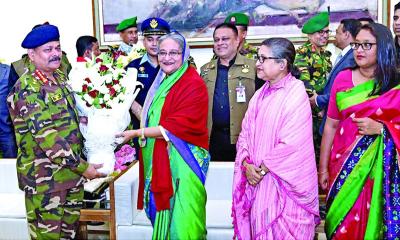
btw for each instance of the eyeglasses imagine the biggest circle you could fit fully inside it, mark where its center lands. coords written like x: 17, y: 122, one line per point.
x: 364, y: 46
x: 261, y: 58
x: 172, y: 54
x: 322, y: 32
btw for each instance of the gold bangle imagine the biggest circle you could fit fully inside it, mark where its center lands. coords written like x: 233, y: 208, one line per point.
x: 142, y: 139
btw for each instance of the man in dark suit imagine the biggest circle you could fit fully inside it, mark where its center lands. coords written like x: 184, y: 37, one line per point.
x: 345, y: 34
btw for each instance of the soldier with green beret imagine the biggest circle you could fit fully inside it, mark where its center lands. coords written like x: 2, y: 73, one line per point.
x: 241, y: 21
x: 128, y: 32
x: 314, y: 64
x: 49, y: 167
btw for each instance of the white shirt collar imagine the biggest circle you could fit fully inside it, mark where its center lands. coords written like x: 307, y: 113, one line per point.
x: 146, y: 58
x: 345, y: 50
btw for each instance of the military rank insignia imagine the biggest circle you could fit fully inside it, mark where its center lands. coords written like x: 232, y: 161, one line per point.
x: 153, y: 23
x: 55, y: 97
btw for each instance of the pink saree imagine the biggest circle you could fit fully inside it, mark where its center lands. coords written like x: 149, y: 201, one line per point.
x: 277, y: 131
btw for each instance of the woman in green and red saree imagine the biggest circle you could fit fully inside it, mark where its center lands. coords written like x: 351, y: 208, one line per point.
x: 361, y: 143
x: 174, y: 146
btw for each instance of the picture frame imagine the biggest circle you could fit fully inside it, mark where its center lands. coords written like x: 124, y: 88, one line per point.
x: 197, y: 22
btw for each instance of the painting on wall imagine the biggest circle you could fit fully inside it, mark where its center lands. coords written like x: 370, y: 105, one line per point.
x: 196, y: 19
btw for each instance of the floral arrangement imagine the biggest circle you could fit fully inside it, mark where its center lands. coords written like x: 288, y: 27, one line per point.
x: 104, y: 85
x: 104, y: 92
x: 124, y: 156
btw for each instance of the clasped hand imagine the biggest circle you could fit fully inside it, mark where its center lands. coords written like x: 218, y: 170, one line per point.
x: 367, y: 126
x: 255, y: 174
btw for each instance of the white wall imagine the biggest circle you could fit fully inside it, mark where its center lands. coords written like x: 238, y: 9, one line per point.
x: 73, y: 17
x: 17, y: 17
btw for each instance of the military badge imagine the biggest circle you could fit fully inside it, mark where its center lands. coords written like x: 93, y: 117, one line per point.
x: 141, y: 69
x: 153, y: 23
x: 55, y: 97
x: 233, y: 20
x: 245, y: 68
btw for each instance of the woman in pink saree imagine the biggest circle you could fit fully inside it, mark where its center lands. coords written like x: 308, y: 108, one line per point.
x: 275, y: 189
x: 361, y: 142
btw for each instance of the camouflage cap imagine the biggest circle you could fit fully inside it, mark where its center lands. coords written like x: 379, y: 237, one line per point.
x: 238, y: 19
x: 316, y: 23
x: 126, y: 23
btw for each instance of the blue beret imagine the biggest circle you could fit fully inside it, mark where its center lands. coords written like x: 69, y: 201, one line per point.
x: 155, y: 26
x: 41, y: 35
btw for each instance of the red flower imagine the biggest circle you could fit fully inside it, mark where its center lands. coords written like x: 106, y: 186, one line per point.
x: 112, y: 92
x: 108, y: 85
x: 93, y: 93
x: 118, y: 53
x: 88, y: 80
x: 115, y: 81
x: 99, y: 60
x: 103, y: 68
x: 85, y: 88
x: 103, y: 105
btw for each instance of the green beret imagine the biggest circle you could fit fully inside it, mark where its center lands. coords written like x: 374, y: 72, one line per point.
x: 316, y: 23
x: 238, y: 19
x: 127, y: 23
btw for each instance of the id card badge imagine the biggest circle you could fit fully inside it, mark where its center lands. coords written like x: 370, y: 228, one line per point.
x: 240, y: 94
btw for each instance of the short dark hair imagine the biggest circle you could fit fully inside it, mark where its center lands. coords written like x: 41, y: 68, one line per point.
x: 386, y: 75
x: 366, y: 19
x: 397, y: 6
x: 84, y: 43
x: 227, y: 25
x: 351, y: 25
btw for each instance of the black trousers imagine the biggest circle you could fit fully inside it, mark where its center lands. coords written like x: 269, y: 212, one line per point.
x: 221, y: 148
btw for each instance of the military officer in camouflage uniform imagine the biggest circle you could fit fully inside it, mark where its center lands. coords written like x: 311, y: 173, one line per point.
x: 314, y: 64
x: 241, y: 21
x: 18, y: 68
x: 50, y: 170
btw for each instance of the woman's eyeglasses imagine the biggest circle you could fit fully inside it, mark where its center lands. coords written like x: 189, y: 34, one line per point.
x: 172, y: 54
x: 261, y: 58
x: 364, y: 46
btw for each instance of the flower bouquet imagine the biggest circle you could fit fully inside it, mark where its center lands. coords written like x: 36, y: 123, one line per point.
x: 104, y: 92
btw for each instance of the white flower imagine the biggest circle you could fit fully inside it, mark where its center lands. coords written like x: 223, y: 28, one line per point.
x: 103, y: 89
x: 117, y: 87
x: 106, y: 97
x: 108, y: 79
x: 88, y: 99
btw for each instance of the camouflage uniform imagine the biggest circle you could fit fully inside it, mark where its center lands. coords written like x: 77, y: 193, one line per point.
x: 314, y: 69
x: 49, y: 143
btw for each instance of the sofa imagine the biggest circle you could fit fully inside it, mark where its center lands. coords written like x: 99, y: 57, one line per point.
x: 133, y: 223
x: 13, y: 224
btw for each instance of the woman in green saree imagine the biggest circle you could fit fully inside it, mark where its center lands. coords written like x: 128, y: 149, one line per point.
x: 174, y: 146
x: 361, y: 142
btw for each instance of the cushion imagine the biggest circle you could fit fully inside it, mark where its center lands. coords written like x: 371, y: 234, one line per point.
x: 219, y: 214
x: 12, y: 205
